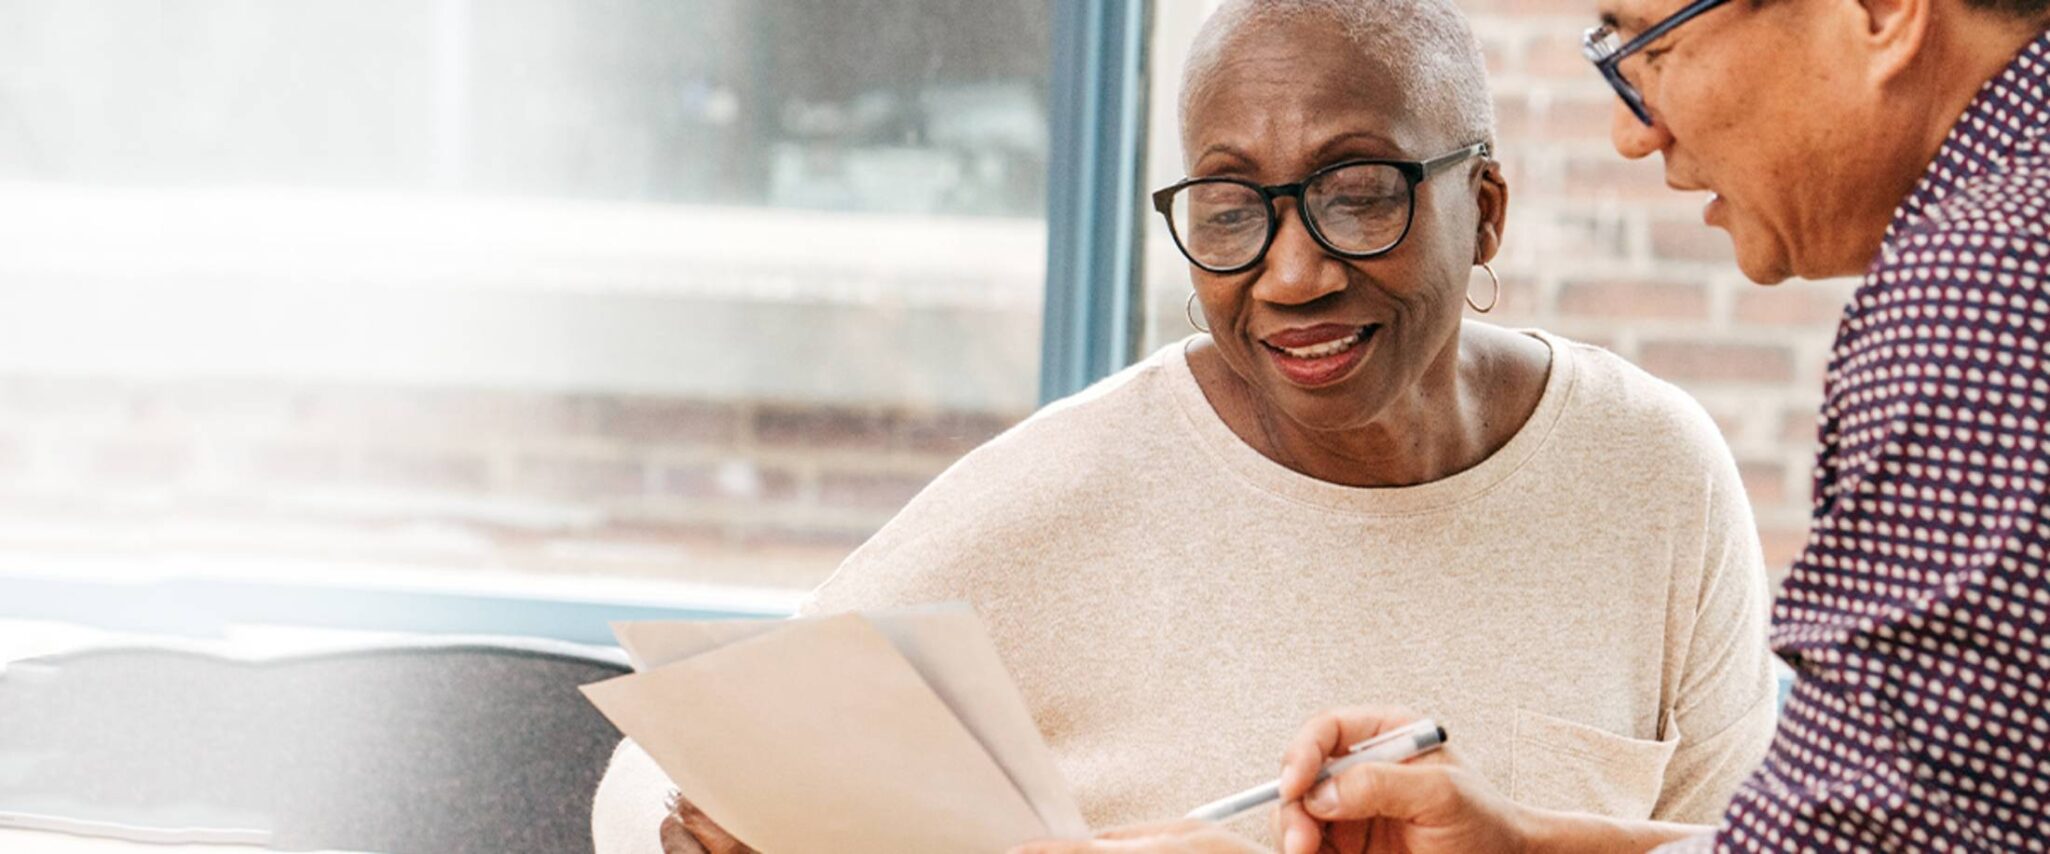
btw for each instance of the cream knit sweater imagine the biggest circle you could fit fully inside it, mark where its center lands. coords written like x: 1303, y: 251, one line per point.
x: 1584, y: 610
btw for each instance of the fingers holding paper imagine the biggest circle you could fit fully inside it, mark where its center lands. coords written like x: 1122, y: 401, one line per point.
x: 1175, y: 837
x: 687, y: 830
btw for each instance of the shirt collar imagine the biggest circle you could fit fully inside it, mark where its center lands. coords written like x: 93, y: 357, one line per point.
x: 2012, y: 108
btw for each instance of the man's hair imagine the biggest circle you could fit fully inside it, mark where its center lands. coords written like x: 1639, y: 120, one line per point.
x: 2025, y: 9
x: 1427, y: 43
x: 2031, y: 11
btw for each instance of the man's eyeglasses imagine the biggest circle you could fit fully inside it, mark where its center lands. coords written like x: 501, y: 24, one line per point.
x: 1606, y: 50
x: 1355, y: 209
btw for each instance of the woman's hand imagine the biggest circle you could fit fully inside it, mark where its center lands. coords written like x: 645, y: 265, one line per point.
x: 1174, y: 837
x: 1427, y: 805
x: 687, y: 830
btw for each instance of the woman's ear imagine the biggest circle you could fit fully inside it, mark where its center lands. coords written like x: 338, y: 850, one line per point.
x: 1491, y: 195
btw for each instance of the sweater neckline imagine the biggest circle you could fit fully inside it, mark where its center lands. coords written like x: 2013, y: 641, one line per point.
x: 1215, y: 436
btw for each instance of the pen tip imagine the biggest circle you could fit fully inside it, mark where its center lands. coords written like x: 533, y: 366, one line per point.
x: 1441, y: 735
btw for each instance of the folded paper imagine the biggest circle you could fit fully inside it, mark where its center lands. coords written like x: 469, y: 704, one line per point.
x: 894, y: 732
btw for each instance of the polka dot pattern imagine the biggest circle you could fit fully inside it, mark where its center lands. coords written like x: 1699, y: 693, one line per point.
x: 1917, y: 619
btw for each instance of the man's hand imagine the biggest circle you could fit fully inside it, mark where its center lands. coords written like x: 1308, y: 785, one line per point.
x: 1174, y: 837
x: 1428, y: 805
x: 687, y: 830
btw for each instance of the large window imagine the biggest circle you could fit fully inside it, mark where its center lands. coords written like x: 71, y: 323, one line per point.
x: 649, y: 300
x: 506, y: 295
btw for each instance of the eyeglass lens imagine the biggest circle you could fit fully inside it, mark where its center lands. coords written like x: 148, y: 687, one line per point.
x: 1360, y: 209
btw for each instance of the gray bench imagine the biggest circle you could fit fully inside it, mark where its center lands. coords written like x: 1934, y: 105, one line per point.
x: 439, y: 746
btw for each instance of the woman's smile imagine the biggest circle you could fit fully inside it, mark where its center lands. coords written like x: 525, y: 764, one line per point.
x: 1315, y: 356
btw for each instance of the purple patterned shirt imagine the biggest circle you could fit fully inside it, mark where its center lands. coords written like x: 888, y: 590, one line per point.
x: 1917, y: 620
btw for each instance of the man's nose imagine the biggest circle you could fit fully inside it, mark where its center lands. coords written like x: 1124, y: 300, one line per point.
x: 1632, y: 137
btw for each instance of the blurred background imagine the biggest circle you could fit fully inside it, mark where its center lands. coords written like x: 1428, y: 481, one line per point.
x: 668, y: 301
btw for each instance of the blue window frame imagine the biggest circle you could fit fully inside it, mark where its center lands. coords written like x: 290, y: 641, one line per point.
x: 1094, y: 196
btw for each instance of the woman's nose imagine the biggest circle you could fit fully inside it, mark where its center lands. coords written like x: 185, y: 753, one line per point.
x: 1632, y: 137
x: 1297, y: 270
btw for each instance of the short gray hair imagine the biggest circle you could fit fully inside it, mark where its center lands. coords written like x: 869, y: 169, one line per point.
x: 1429, y: 42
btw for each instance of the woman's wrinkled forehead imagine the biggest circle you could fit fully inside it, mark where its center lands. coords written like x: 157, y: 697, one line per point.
x: 1282, y: 91
x: 1409, y: 69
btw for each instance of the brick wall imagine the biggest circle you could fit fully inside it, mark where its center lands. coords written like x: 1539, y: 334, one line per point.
x: 754, y: 493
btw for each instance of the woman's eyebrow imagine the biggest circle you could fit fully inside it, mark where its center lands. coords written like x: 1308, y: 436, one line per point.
x: 1332, y: 145
x: 1225, y: 149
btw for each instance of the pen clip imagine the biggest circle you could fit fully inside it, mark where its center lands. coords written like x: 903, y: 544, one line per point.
x: 1408, y: 730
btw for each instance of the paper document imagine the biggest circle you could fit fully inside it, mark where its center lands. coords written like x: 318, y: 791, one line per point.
x: 896, y: 732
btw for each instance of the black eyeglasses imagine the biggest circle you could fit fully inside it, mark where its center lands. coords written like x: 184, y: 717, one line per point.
x: 1354, y: 209
x: 1603, y: 47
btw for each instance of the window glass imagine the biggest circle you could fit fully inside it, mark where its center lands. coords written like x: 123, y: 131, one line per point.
x: 503, y: 292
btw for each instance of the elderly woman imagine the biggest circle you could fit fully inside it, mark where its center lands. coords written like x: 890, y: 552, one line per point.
x: 1341, y: 491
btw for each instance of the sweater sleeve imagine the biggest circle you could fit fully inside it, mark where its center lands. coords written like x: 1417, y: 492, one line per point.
x: 632, y: 801
x: 1724, y: 710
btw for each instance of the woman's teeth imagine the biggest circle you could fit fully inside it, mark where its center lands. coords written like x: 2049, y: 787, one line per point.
x: 1328, y: 348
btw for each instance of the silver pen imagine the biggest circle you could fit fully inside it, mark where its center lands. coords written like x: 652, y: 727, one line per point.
x: 1396, y: 745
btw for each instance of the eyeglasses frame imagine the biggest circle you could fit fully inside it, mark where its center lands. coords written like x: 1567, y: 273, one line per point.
x: 1415, y: 172
x: 1598, y: 44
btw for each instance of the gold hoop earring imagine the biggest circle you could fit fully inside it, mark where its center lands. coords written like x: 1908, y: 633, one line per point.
x: 1189, y: 311
x: 1498, y: 292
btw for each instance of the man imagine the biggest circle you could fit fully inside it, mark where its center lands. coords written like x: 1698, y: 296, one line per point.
x: 1904, y: 139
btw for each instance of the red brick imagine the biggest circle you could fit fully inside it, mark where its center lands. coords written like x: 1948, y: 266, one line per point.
x: 1500, y: 56
x: 577, y: 477
x: 1557, y: 56
x: 1596, y: 338
x: 1711, y: 361
x: 660, y: 530
x: 1523, y: 124
x: 950, y: 433
x: 1731, y: 421
x: 1764, y: 481
x: 218, y: 407
x: 1793, y: 304
x: 1583, y: 235
x: 437, y: 414
x: 1782, y: 544
x: 1675, y: 240
x: 822, y: 427
x: 1634, y: 299
x: 425, y: 468
x: 788, y: 535
x: 868, y: 490
x: 1798, y: 426
x: 734, y: 480
x: 1592, y: 175
x: 663, y: 420
x: 266, y: 463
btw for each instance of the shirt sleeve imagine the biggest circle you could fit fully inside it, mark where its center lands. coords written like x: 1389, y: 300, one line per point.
x: 1915, y: 618
x: 631, y: 802
x: 1725, y: 707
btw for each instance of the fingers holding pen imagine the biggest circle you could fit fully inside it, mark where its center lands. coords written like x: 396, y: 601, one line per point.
x: 1329, y: 735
